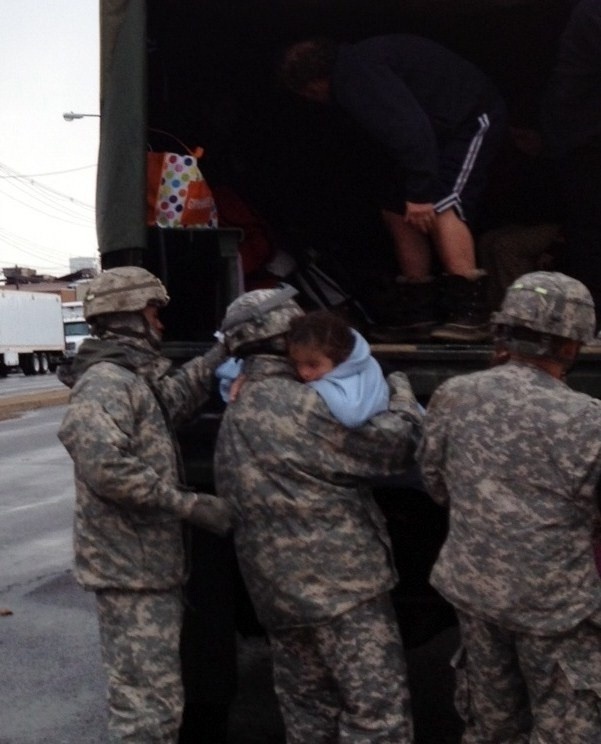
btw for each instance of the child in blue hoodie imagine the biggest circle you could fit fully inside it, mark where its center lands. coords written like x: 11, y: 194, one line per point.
x: 333, y: 359
x: 336, y: 361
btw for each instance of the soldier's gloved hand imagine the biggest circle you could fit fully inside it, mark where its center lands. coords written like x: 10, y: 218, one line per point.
x: 211, y: 513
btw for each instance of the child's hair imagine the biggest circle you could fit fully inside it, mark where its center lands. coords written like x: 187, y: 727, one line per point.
x: 325, y: 331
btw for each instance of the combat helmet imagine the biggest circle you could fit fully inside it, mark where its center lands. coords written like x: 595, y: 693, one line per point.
x: 550, y: 303
x: 259, y: 315
x: 125, y: 289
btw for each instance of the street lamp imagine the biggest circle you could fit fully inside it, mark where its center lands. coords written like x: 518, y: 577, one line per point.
x: 70, y: 115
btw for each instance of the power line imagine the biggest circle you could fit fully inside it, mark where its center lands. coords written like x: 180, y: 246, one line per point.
x: 50, y: 173
x: 43, y: 253
x: 47, y: 203
x: 45, y: 200
x: 40, y: 189
x: 84, y: 222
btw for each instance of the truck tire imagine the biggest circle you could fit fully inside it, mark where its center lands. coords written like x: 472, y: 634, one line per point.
x: 29, y: 363
x: 44, y: 363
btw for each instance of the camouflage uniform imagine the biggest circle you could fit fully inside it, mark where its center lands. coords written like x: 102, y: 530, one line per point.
x: 328, y: 693
x: 128, y: 512
x: 517, y: 455
x: 314, y: 551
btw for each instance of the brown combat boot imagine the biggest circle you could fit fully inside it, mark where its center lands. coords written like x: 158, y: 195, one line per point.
x: 468, y: 314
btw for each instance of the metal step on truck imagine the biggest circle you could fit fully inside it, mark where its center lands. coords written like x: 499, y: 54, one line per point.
x: 202, y: 74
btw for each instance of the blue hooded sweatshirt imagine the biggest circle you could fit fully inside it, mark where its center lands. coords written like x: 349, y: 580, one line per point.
x: 355, y: 390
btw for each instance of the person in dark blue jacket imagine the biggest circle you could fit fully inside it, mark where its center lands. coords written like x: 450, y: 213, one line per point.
x: 441, y: 120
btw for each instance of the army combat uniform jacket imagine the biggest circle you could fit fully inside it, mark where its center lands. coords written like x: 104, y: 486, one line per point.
x: 129, y: 497
x: 311, y: 542
x: 517, y: 454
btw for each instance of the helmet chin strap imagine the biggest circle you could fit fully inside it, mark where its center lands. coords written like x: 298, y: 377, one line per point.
x: 274, y: 346
x: 544, y: 347
x: 152, y: 336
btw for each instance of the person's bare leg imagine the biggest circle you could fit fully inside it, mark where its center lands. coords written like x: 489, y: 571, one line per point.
x: 464, y: 286
x: 454, y: 244
x: 412, y: 248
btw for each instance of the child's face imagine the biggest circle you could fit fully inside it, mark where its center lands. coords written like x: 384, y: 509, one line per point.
x: 311, y: 363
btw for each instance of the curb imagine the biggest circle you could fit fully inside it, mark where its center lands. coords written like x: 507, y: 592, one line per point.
x: 12, y: 406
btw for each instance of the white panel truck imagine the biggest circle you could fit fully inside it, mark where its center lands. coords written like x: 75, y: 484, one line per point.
x: 31, y: 332
x: 76, y: 327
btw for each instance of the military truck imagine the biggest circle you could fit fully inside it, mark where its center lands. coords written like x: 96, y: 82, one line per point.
x: 202, y: 74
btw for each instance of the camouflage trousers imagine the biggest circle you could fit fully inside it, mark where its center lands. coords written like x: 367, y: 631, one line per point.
x: 345, y: 681
x: 139, y: 637
x: 518, y: 688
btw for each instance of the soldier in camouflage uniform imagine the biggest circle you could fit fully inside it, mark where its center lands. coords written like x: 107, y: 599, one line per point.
x: 517, y: 456
x: 312, y: 544
x: 130, y: 499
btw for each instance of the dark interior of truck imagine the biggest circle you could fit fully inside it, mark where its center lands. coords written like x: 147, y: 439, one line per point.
x: 302, y: 167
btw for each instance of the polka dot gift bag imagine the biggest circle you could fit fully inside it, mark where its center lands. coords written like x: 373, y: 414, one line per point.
x: 177, y: 193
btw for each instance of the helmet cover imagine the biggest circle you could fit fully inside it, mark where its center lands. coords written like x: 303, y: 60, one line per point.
x: 123, y: 289
x: 259, y: 315
x: 551, y: 303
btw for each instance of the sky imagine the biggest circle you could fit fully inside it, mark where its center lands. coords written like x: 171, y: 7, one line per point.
x: 49, y: 64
